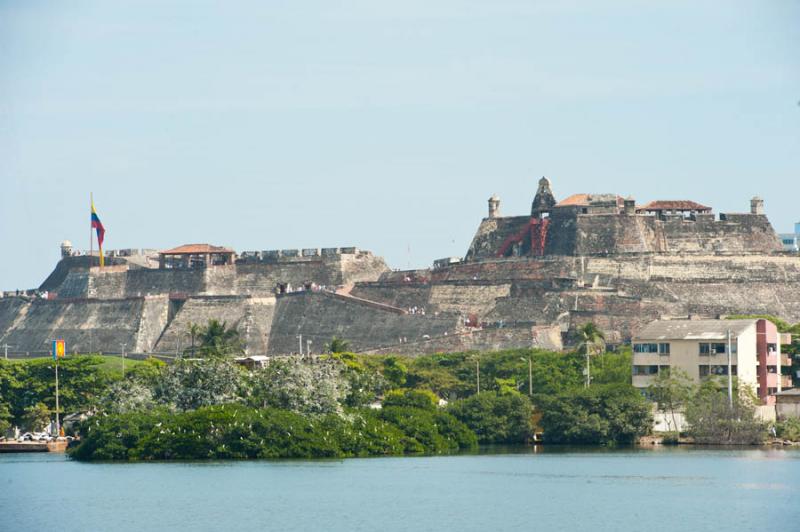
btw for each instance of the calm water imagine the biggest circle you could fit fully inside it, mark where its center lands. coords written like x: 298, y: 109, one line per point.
x: 668, y: 489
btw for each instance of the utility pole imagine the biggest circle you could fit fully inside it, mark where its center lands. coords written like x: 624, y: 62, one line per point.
x: 730, y: 376
x: 5, y: 349
x: 530, y: 376
x: 58, y: 422
x: 300, y: 343
x: 478, y: 373
x: 123, y: 345
x: 588, y: 369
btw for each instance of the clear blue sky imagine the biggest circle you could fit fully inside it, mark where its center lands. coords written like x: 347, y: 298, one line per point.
x: 276, y: 124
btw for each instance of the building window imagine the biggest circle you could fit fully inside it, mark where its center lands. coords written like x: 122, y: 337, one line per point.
x: 663, y: 349
x: 720, y: 369
x: 645, y: 370
x: 709, y: 349
x: 645, y: 348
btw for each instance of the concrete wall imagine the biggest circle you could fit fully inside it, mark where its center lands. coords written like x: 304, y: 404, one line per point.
x: 685, y: 355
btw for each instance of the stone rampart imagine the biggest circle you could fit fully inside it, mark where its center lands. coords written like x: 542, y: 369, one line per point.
x: 86, y: 325
x: 571, y: 232
x: 320, y: 316
x: 252, y: 316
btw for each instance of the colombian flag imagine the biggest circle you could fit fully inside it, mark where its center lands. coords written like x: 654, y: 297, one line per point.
x: 101, y: 231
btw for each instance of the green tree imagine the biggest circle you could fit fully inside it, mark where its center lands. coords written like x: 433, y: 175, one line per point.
x: 422, y: 399
x: 148, y: 372
x: 394, y: 371
x: 217, y: 340
x: 190, y: 384
x: 496, y: 418
x: 5, y: 419
x: 23, y: 384
x: 337, y: 345
x: 713, y: 420
x: 36, y: 417
x: 671, y: 390
x: 608, y: 414
x: 127, y: 396
x: 195, y: 330
x: 292, y: 384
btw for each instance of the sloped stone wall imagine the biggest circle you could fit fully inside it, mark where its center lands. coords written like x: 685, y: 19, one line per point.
x: 320, y: 316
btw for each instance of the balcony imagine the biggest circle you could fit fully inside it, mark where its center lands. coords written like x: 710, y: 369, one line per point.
x: 772, y: 380
x: 786, y: 381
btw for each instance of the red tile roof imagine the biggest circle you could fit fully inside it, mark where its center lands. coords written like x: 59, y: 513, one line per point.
x: 196, y: 249
x: 673, y: 205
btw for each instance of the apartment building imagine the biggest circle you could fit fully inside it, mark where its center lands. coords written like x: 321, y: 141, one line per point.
x: 700, y: 348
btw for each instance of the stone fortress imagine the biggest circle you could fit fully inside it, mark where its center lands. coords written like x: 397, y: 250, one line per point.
x: 525, y: 281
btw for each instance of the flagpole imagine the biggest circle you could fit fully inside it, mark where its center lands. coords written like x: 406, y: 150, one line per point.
x: 91, y: 239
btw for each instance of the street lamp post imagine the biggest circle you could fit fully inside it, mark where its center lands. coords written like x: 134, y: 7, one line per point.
x: 300, y: 343
x: 530, y: 375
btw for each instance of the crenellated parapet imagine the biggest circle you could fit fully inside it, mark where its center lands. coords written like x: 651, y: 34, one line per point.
x: 608, y: 224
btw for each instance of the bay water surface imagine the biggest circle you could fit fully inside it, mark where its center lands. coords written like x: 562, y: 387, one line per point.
x: 548, y: 489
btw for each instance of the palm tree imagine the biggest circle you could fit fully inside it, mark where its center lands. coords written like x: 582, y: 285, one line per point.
x: 593, y: 342
x: 194, y: 332
x: 217, y: 339
x: 337, y: 345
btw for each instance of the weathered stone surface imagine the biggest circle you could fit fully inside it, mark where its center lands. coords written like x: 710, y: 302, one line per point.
x: 320, y: 316
x: 590, y: 258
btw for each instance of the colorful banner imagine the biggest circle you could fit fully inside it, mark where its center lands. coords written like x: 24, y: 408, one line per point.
x: 101, y: 232
x: 59, y: 348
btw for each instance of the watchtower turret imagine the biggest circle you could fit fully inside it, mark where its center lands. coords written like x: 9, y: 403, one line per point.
x: 544, y: 200
x: 494, y: 206
x: 756, y: 205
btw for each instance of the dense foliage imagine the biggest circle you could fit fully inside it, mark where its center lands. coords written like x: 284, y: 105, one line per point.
x: 496, y: 418
x: 27, y: 389
x: 236, y: 431
x: 712, y: 419
x: 608, y: 414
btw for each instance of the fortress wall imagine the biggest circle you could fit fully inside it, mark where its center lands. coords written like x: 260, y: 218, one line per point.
x: 695, y: 268
x: 509, y: 269
x: 263, y: 278
x: 63, y: 268
x: 361, y: 267
x: 75, y: 285
x: 219, y: 280
x: 779, y: 299
x: 477, y: 299
x: 228, y: 309
x: 84, y: 324
x: 12, y: 311
x: 157, y: 282
x: 319, y: 316
x: 491, y: 234
x: 105, y: 284
x: 154, y: 318
x: 492, y: 339
x: 401, y: 295
x: 256, y: 326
